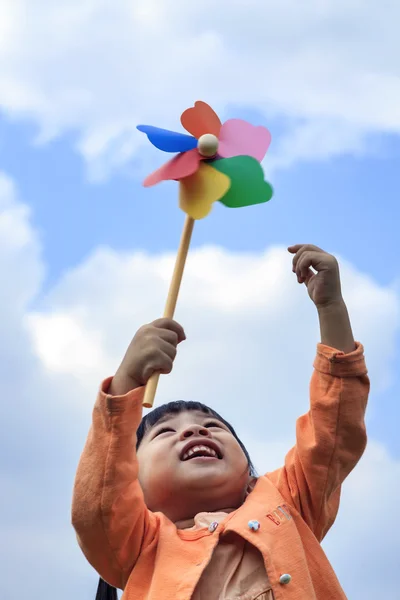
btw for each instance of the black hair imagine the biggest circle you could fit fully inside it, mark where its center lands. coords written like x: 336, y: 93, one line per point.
x: 104, y: 590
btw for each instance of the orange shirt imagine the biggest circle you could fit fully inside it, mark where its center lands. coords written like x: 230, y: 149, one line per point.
x: 236, y: 570
x: 149, y: 557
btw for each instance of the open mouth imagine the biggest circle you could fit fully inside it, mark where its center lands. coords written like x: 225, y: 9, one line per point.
x: 201, y: 451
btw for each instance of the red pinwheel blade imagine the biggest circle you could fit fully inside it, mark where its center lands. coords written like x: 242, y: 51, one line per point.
x: 180, y: 166
x: 201, y: 119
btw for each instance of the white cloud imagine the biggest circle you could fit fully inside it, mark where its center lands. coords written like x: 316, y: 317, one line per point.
x: 226, y: 297
x: 19, y: 251
x: 99, y: 68
x: 248, y: 325
x: 364, y: 543
x: 64, y: 346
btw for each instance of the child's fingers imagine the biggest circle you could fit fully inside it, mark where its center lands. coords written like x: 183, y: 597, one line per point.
x: 304, y: 263
x: 167, y: 369
x: 170, y: 337
x: 167, y: 348
x: 310, y: 275
x: 299, y: 249
x: 295, y: 248
x: 161, y: 363
x: 307, y: 260
x: 171, y: 325
x: 306, y: 277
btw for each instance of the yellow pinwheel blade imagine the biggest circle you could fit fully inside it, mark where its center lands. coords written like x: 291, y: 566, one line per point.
x: 199, y: 191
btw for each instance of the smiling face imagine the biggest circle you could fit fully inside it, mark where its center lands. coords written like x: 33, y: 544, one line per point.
x: 190, y: 462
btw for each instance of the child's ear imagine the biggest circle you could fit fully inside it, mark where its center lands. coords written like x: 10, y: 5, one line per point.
x: 250, y: 484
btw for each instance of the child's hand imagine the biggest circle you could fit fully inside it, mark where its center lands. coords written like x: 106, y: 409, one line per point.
x: 324, y: 286
x: 152, y: 350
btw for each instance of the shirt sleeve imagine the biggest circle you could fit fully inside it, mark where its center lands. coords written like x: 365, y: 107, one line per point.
x: 109, y: 515
x: 330, y: 438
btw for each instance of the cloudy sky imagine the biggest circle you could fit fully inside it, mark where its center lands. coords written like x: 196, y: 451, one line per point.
x: 86, y: 253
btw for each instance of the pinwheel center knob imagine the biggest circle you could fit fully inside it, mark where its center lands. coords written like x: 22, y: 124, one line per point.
x: 208, y: 145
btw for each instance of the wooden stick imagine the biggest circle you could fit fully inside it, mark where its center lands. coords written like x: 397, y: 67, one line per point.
x: 170, y: 305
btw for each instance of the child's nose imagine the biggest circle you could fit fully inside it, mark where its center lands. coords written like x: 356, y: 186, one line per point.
x: 194, y: 430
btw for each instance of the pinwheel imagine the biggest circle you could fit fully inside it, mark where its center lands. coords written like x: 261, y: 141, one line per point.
x: 217, y: 162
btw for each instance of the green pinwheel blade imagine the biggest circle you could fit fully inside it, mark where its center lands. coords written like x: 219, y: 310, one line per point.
x: 247, y: 181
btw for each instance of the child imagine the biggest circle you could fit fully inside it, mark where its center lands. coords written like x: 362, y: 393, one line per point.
x: 169, y: 508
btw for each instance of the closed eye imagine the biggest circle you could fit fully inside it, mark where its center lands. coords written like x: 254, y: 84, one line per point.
x: 163, y: 430
x: 214, y: 424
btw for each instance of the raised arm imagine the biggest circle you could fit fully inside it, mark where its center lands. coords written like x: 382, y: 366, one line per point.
x: 109, y: 515
x: 111, y: 520
x: 331, y: 437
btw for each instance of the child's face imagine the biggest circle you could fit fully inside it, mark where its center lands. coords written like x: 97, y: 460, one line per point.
x: 181, y: 484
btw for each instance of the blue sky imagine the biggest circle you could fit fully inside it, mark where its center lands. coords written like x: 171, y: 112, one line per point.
x: 347, y: 205
x: 76, y: 77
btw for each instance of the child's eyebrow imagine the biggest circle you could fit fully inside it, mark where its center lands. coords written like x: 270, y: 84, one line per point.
x: 163, y: 419
x: 169, y: 417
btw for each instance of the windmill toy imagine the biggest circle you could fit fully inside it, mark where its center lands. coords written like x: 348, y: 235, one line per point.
x: 217, y: 162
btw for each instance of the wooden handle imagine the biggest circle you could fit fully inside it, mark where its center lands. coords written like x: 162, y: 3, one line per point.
x: 170, y: 305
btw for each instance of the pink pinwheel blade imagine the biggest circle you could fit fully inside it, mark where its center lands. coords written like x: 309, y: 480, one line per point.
x: 240, y: 138
x: 180, y: 166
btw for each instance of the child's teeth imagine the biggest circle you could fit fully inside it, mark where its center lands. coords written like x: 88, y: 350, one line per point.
x: 204, y: 449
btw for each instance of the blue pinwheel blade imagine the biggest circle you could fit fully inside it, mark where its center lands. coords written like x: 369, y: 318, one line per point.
x: 168, y: 141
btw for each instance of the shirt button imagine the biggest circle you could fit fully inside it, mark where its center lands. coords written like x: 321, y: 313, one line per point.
x: 213, y: 526
x: 285, y: 578
x: 254, y: 525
